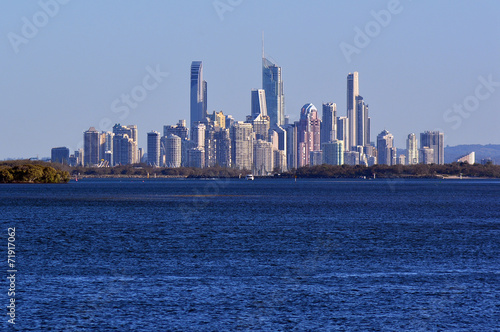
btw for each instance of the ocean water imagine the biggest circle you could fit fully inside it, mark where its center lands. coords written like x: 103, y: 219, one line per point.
x: 263, y: 255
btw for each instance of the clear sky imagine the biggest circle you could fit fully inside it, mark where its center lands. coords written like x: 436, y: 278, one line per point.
x: 64, y: 68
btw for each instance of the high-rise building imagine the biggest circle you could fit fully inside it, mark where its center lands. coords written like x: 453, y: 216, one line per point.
x: 258, y: 103
x: 198, y: 134
x: 154, y: 148
x: 333, y: 152
x: 316, y: 158
x: 131, y: 132
x: 426, y: 155
x: 60, y: 155
x: 91, y: 146
x: 173, y: 157
x: 261, y: 125
x: 343, y: 130
x: 219, y: 119
x: 435, y: 141
x: 362, y: 123
x: 197, y: 157
x: 79, y: 154
x: 242, y: 138
x: 198, y: 94
x: 262, y: 157
x: 280, y: 163
x: 329, y: 123
x: 412, y: 149
x: 291, y: 145
x: 272, y: 83
x: 222, y: 147
x: 179, y: 130
x: 351, y: 158
x: 124, y: 149
x: 352, y: 93
x: 308, y: 134
x: 385, y: 151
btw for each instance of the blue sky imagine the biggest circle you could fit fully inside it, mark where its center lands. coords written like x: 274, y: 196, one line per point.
x: 69, y: 73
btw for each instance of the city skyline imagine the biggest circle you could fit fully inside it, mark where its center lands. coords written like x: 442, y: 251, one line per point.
x: 418, y: 73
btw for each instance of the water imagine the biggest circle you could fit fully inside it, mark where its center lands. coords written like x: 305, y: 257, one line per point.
x: 278, y: 255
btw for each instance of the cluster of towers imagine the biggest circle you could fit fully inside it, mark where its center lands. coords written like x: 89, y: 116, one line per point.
x: 266, y: 141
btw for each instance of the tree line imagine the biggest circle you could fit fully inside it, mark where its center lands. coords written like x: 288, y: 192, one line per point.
x: 45, y: 172
x: 396, y: 171
x: 32, y: 173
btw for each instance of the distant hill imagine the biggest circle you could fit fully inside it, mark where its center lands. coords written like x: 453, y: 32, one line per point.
x: 452, y: 153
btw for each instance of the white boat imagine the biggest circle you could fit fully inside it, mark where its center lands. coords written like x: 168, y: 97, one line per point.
x: 250, y: 177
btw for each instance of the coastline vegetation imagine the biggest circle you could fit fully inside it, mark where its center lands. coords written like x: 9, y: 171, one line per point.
x: 397, y: 171
x: 32, y: 173
x: 26, y: 171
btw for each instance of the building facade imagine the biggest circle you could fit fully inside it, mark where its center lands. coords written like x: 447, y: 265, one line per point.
x: 308, y: 134
x: 352, y: 93
x: 329, y: 123
x: 198, y: 94
x: 435, y: 141
x: 272, y: 84
x: 154, y: 148
x: 412, y: 149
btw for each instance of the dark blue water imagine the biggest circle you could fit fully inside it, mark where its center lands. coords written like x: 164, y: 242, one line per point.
x: 274, y: 255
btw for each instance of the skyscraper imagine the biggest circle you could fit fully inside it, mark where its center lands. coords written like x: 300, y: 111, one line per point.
x: 60, y: 155
x: 179, y: 130
x: 91, y: 147
x: 333, y: 152
x: 352, y: 93
x: 131, y: 132
x: 258, y: 102
x: 291, y: 145
x: 154, y: 148
x: 124, y: 149
x: 308, y: 134
x: 343, y: 130
x: 412, y: 149
x: 329, y: 123
x: 173, y: 151
x: 198, y: 93
x: 242, y: 138
x: 198, y: 135
x: 272, y: 83
x: 262, y: 157
x: 385, y: 148
x: 435, y: 141
x: 362, y: 123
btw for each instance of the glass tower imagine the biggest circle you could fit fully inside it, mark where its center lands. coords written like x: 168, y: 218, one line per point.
x: 198, y: 93
x: 272, y: 84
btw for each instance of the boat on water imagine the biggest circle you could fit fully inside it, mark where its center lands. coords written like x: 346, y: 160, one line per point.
x: 250, y: 177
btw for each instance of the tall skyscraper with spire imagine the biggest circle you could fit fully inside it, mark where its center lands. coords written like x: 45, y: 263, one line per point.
x: 352, y: 93
x: 198, y: 93
x: 272, y: 83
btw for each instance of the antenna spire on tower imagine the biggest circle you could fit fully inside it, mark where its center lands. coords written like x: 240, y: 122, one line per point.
x: 263, y: 56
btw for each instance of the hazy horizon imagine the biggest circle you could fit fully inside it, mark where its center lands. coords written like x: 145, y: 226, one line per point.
x: 68, y: 63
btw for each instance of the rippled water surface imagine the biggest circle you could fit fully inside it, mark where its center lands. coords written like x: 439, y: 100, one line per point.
x: 215, y: 255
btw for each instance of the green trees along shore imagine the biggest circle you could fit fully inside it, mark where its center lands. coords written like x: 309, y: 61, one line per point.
x: 27, y: 171
x: 30, y: 173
